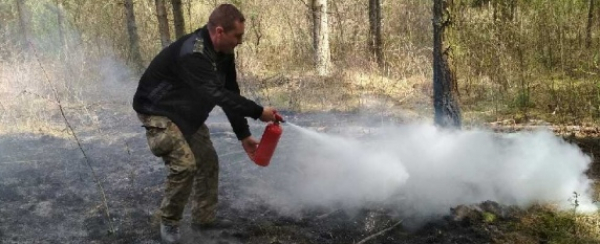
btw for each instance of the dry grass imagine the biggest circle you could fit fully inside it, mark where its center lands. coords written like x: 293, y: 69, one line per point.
x: 26, y: 103
x: 347, y: 91
x: 549, y: 225
x: 30, y: 98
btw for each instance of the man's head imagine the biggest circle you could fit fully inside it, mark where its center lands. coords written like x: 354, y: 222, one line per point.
x: 226, y: 27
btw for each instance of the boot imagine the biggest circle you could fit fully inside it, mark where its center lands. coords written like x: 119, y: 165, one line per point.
x: 169, y: 233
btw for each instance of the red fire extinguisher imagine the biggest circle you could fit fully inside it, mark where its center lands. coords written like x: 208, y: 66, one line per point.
x: 268, y: 142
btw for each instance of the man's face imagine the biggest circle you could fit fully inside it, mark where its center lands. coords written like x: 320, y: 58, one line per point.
x: 228, y: 40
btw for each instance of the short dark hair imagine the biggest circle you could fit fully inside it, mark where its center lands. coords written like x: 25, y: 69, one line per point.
x: 225, y: 15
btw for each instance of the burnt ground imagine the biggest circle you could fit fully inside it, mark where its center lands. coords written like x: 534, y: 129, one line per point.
x: 49, y: 194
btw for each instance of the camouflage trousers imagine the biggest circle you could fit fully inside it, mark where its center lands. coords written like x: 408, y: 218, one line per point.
x: 193, y: 169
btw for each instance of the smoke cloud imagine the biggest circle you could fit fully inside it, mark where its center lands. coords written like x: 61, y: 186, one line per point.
x: 422, y: 170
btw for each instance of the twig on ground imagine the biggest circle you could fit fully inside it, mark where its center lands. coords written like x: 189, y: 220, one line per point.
x: 325, y: 215
x: 70, y: 128
x: 363, y: 241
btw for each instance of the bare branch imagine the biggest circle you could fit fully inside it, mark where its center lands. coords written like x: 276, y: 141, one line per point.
x: 363, y: 241
x: 308, y: 5
x: 70, y: 128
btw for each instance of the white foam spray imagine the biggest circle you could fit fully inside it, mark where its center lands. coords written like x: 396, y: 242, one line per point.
x: 422, y: 170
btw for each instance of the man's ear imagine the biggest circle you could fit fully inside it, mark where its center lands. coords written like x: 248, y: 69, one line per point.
x: 219, y: 30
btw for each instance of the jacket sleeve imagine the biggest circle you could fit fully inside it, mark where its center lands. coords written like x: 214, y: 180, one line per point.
x: 239, y: 124
x: 199, y: 72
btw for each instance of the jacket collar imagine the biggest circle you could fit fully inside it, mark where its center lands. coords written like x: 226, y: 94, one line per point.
x: 203, y: 31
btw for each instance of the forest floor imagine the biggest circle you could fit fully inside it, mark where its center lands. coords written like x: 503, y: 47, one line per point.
x: 49, y: 193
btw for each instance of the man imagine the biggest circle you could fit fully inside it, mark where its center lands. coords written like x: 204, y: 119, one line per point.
x: 176, y: 93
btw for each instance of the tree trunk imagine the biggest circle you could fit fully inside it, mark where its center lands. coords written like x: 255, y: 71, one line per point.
x: 321, y: 36
x: 163, y: 23
x: 588, y: 29
x: 316, y: 24
x: 375, y: 40
x: 61, y: 32
x: 189, y: 10
x: 134, y: 40
x: 178, y: 20
x: 22, y: 24
x: 445, y: 91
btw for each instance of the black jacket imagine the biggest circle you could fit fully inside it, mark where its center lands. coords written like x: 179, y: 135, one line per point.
x: 187, y: 79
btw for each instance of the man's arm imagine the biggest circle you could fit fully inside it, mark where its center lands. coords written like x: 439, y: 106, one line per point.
x: 239, y: 124
x: 198, y: 71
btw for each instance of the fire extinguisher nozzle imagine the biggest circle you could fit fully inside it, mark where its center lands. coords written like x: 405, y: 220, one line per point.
x: 279, y: 119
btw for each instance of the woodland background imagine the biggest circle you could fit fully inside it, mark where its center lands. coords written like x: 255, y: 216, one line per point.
x: 519, y: 60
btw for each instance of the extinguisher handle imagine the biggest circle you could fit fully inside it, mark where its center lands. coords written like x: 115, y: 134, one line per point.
x: 278, y: 118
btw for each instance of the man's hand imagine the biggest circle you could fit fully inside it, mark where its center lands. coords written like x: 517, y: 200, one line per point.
x: 268, y: 114
x: 250, y: 144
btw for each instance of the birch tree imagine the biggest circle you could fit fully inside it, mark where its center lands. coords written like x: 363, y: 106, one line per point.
x: 60, y: 22
x: 321, y: 36
x: 22, y: 23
